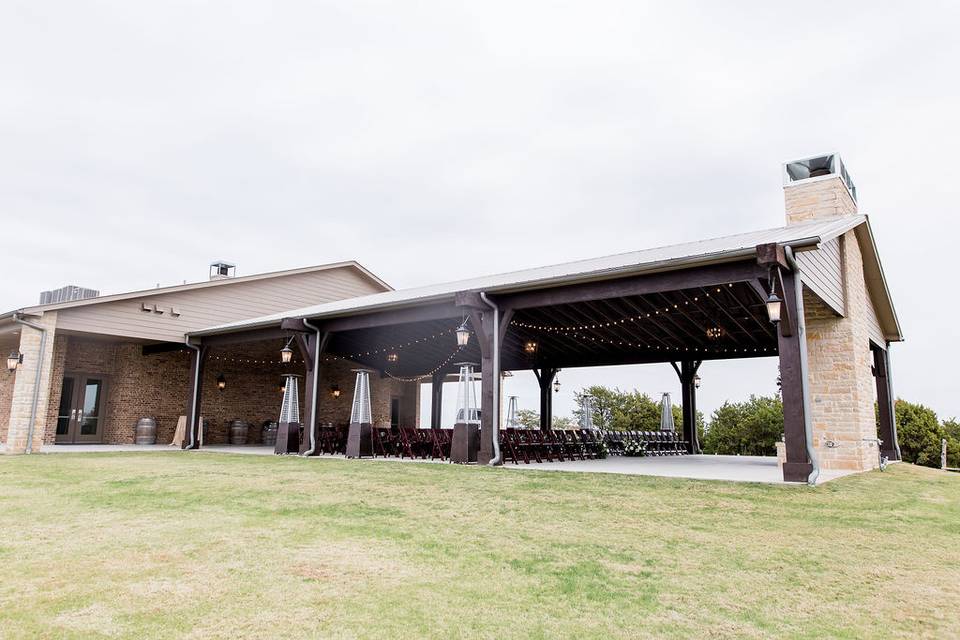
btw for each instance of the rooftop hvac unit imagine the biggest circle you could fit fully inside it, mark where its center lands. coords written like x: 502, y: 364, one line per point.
x: 67, y: 294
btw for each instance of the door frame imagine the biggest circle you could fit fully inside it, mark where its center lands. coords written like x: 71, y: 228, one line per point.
x: 80, y: 379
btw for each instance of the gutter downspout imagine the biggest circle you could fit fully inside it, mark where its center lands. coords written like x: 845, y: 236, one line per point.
x: 802, y: 336
x: 36, y: 384
x: 196, y: 383
x: 313, y: 392
x: 495, y: 418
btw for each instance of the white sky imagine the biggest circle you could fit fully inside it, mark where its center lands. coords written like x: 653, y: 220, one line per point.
x: 439, y: 140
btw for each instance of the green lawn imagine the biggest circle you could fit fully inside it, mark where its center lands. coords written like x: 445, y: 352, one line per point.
x: 206, y: 545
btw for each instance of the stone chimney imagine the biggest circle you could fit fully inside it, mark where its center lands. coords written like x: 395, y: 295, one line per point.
x: 818, y: 187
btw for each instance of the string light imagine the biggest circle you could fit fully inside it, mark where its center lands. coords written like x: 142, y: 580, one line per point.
x: 428, y: 374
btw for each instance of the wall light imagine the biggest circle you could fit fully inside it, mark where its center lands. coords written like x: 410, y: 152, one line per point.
x: 774, y: 308
x: 14, y: 360
x: 335, y: 391
x: 221, y: 382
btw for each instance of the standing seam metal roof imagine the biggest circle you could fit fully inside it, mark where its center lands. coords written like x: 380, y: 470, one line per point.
x: 647, y: 260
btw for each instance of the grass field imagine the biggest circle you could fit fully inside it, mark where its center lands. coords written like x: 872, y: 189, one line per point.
x: 205, y: 545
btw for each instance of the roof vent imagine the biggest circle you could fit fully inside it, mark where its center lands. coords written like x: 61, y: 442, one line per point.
x: 68, y: 293
x: 221, y: 270
x: 818, y: 167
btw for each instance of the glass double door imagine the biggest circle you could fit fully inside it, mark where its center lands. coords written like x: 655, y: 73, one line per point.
x: 80, y: 417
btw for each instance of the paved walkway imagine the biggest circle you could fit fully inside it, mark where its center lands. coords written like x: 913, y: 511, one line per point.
x: 701, y: 467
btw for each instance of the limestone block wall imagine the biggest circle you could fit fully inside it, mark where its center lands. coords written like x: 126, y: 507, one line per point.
x: 826, y: 198
x: 6, y: 396
x: 842, y: 387
x: 21, y: 398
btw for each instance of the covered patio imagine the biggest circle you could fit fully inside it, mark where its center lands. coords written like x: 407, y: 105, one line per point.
x: 734, y: 297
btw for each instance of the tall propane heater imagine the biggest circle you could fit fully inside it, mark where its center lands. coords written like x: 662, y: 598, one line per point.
x: 466, y: 430
x: 288, y: 429
x: 360, y: 436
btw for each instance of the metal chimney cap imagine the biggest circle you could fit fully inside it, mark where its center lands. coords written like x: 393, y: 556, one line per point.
x: 822, y: 166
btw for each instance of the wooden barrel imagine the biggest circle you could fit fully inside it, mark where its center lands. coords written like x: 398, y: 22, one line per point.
x: 146, y: 431
x: 268, y: 435
x: 238, y: 432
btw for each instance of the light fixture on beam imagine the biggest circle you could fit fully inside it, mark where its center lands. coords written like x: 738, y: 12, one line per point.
x: 774, y: 307
x: 556, y: 385
x: 463, y: 334
x: 530, y: 347
x: 14, y: 360
x: 696, y: 381
x: 335, y: 391
x: 286, y: 354
x: 715, y: 333
x: 392, y: 356
x: 221, y: 382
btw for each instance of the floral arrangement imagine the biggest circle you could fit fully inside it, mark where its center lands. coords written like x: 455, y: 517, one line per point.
x: 634, y: 449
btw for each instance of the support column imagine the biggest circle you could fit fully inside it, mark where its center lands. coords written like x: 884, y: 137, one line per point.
x: 198, y: 361
x: 307, y: 344
x: 687, y: 372
x: 793, y: 380
x: 436, y: 400
x: 545, y: 378
x: 30, y: 397
x: 888, y: 417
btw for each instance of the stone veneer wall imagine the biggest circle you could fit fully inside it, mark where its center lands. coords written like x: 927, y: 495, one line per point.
x: 157, y: 385
x: 808, y: 201
x: 21, y: 398
x: 842, y: 387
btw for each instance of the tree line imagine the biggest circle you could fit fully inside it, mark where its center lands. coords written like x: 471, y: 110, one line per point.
x: 751, y: 427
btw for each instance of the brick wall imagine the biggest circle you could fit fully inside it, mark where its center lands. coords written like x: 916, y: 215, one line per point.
x: 157, y: 386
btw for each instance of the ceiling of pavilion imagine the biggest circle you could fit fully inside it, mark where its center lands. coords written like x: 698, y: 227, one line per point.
x: 697, y: 324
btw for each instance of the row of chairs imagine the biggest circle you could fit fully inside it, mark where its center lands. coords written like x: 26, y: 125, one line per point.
x: 653, y: 443
x: 408, y: 442
x: 518, y: 445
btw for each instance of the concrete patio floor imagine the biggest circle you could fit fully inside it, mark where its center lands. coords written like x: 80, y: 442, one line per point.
x: 698, y: 467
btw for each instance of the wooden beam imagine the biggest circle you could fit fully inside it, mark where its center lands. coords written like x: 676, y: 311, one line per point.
x: 198, y: 361
x: 885, y: 408
x: 794, y: 390
x: 251, y: 335
x: 421, y: 313
x: 638, y: 285
x: 771, y: 254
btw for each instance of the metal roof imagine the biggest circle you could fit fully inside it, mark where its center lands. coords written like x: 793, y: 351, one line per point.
x: 39, y: 308
x: 807, y: 235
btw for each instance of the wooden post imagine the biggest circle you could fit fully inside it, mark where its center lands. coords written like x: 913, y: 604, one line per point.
x: 943, y: 453
x: 887, y: 414
x: 436, y: 403
x: 688, y: 386
x: 545, y: 378
x: 198, y: 360
x: 794, y: 384
x: 308, y: 345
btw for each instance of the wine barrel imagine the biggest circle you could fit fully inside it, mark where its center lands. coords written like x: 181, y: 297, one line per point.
x: 146, y: 431
x: 238, y: 432
x: 268, y: 434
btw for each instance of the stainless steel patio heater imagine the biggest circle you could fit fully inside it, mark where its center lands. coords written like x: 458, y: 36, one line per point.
x: 512, y: 422
x: 666, y: 413
x: 586, y: 415
x: 466, y: 430
x: 288, y: 430
x: 360, y: 436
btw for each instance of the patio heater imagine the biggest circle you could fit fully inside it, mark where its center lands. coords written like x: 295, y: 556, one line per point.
x: 466, y: 430
x: 360, y: 436
x: 586, y: 413
x: 288, y: 430
x: 666, y: 413
x: 511, y: 421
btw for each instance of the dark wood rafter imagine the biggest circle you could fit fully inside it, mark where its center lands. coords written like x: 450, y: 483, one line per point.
x: 687, y: 372
x: 761, y: 323
x: 545, y: 378
x: 797, y: 467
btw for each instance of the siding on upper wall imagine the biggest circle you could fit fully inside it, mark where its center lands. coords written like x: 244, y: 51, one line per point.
x: 822, y: 271
x: 873, y: 324
x: 211, y: 306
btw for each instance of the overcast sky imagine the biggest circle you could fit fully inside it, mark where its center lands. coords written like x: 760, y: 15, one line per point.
x: 138, y: 141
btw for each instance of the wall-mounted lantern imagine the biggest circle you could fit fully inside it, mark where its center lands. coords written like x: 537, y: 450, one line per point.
x: 463, y: 334
x: 556, y: 385
x: 221, y: 382
x: 14, y: 360
x: 696, y: 381
x: 335, y: 391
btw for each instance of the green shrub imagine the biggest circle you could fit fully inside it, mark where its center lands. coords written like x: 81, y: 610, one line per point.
x: 750, y: 428
x: 919, y: 433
